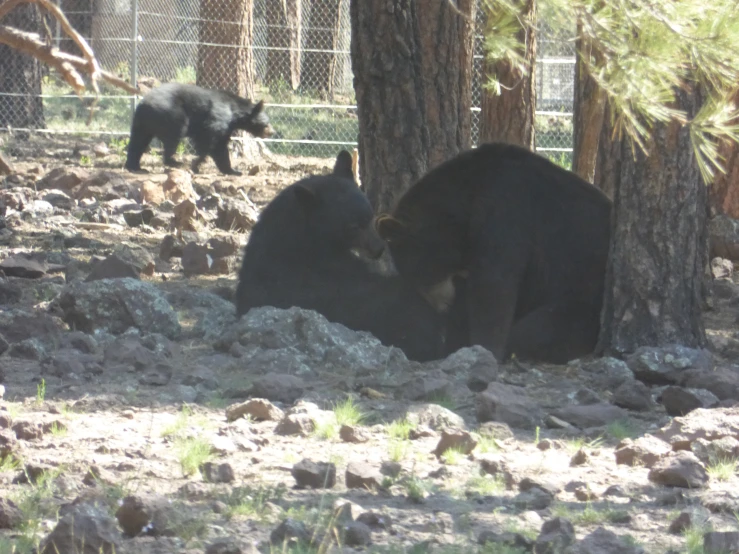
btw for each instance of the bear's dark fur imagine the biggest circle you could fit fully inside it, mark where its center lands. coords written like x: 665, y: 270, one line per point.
x: 531, y: 239
x: 300, y: 253
x: 173, y: 111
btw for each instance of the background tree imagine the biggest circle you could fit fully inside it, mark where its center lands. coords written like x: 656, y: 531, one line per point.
x: 508, y: 100
x: 589, y: 108
x: 668, y: 71
x: 284, y: 32
x: 221, y: 65
x: 323, y: 36
x: 20, y: 75
x: 412, y: 65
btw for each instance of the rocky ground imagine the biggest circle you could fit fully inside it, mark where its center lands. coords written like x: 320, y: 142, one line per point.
x: 139, y: 416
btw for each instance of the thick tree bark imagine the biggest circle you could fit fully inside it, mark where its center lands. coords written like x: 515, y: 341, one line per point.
x: 412, y: 65
x: 220, y: 65
x: 20, y: 75
x: 654, y: 281
x: 509, y: 117
x: 724, y: 191
x: 589, y: 110
x: 284, y: 31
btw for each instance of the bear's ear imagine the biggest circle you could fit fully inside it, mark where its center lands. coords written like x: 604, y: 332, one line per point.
x: 390, y: 228
x: 258, y: 108
x: 306, y: 197
x: 343, y: 165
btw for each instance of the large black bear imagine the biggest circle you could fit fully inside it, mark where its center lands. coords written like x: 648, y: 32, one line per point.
x: 173, y: 111
x: 530, y: 238
x: 301, y: 253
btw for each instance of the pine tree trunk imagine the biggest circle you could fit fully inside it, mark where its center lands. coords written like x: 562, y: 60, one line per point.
x: 20, y: 75
x: 509, y: 117
x: 222, y: 66
x: 284, y: 31
x: 589, y: 111
x: 608, y: 150
x: 654, y: 281
x: 412, y: 65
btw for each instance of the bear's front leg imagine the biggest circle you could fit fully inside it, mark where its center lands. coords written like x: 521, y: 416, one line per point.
x: 492, y: 293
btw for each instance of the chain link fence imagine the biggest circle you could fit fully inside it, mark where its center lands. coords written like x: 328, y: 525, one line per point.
x: 294, y: 54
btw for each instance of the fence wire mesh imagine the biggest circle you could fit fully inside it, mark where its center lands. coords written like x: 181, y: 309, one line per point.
x: 294, y: 54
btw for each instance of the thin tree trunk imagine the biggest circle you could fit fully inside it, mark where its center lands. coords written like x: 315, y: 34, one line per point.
x: 654, y: 281
x: 509, y: 117
x: 220, y: 65
x: 321, y: 34
x: 20, y: 75
x: 589, y: 110
x: 412, y: 76
x: 285, y: 28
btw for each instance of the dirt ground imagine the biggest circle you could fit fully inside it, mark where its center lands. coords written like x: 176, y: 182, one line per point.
x: 141, y: 439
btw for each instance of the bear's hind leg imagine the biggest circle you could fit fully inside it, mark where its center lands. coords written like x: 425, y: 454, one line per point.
x: 137, y: 144
x: 220, y: 156
x: 556, y: 333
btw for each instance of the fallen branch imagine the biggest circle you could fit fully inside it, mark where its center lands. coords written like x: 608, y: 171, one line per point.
x: 67, y: 64
x: 92, y: 66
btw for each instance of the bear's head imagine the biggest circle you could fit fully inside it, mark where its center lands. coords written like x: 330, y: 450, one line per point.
x: 337, y: 214
x: 254, y: 119
x: 423, y: 249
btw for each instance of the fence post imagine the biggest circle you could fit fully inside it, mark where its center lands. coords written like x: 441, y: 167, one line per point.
x: 134, y: 50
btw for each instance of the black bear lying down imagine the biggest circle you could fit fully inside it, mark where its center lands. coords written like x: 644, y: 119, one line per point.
x: 530, y: 238
x: 300, y: 253
x: 173, y: 111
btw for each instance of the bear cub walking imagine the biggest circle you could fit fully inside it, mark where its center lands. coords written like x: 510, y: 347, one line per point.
x: 173, y: 111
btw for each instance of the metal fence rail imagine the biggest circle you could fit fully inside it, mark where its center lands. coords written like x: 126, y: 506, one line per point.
x: 296, y: 55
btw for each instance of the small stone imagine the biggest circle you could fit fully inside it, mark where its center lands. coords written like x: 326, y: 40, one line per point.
x: 679, y: 469
x: 645, y: 451
x: 25, y: 430
x: 288, y: 530
x: 223, y: 546
x: 580, y: 458
x: 10, y: 515
x: 680, y: 401
x: 633, y: 395
x: 217, y: 473
x: 681, y: 523
x: 591, y: 415
x: 457, y: 439
x: 315, y: 475
x: 721, y: 543
x: 391, y: 468
x: 361, y: 475
x: 258, y: 409
x: 353, y: 434
x: 357, y: 533
x: 584, y: 494
x: 556, y: 535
